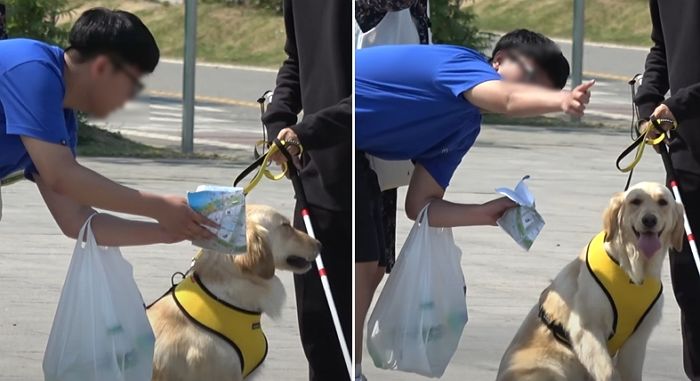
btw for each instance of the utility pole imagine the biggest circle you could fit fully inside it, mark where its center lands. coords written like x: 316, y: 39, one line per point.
x: 189, y: 75
x: 577, y: 47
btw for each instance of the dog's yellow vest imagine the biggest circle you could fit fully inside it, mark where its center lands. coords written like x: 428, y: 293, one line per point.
x: 630, y: 302
x: 238, y: 327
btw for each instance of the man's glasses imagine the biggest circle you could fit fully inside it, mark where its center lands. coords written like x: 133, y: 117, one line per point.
x: 121, y: 66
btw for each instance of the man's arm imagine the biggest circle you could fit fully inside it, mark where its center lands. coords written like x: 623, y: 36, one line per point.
x: 63, y: 175
x: 109, y: 230
x: 424, y: 190
x: 655, y: 81
x: 516, y: 99
x: 286, y: 99
x: 326, y: 127
x: 685, y: 103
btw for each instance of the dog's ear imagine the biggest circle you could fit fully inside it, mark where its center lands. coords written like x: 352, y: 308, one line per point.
x: 678, y: 231
x: 258, y: 260
x: 611, y: 216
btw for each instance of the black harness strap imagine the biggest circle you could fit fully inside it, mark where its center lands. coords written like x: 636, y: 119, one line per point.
x: 558, y: 330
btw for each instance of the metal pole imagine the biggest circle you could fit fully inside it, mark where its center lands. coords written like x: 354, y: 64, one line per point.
x: 577, y: 46
x: 188, y: 76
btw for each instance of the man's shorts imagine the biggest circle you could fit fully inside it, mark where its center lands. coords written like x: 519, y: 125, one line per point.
x: 369, y: 230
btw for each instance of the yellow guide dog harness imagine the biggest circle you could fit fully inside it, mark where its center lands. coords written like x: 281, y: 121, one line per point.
x: 630, y: 302
x: 238, y: 327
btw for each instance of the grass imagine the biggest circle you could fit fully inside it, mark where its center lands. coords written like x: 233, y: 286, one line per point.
x: 94, y: 141
x: 614, y: 21
x: 226, y: 34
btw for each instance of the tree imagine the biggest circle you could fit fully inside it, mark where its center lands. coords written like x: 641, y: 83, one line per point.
x: 456, y: 25
x: 37, y: 19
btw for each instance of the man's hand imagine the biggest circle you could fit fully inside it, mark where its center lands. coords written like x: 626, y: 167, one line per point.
x: 181, y: 222
x: 661, y: 112
x: 575, y: 101
x: 292, y: 140
x: 166, y: 237
x: 494, y: 209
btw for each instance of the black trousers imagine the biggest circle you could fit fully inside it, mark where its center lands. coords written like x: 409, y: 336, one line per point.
x: 684, y: 275
x: 318, y: 337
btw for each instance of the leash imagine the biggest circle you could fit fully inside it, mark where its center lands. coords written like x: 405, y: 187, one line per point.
x: 265, y: 98
x: 262, y: 163
x: 641, y: 140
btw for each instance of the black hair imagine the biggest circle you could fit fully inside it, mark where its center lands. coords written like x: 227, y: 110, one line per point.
x: 2, y: 9
x: 542, y: 50
x: 117, y: 33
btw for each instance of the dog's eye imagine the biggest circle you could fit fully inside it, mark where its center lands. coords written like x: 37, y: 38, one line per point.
x: 636, y: 201
x: 663, y: 202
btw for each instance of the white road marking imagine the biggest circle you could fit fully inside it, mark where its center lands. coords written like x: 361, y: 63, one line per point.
x: 159, y: 119
x: 165, y: 107
x: 209, y: 142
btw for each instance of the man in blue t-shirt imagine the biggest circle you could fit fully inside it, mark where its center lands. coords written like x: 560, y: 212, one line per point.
x: 41, y: 88
x: 424, y: 103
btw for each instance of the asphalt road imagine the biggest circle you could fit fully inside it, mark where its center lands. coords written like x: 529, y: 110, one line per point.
x: 572, y: 181
x: 227, y: 117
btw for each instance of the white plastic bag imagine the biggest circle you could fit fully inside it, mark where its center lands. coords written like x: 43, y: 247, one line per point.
x: 395, y: 28
x: 422, y: 310
x: 100, y: 331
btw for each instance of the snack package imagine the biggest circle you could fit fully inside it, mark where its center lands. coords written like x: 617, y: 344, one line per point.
x: 226, y: 207
x: 522, y: 223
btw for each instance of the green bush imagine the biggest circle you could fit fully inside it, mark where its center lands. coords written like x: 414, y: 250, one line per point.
x: 456, y: 25
x: 37, y: 19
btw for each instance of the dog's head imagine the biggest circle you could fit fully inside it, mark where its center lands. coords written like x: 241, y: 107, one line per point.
x: 645, y: 217
x: 274, y: 244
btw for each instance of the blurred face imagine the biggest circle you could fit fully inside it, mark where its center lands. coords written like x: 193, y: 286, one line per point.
x: 515, y: 67
x: 113, y: 83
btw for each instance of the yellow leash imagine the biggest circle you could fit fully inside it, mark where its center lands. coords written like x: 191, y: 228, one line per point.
x: 642, y: 141
x: 263, y: 162
x: 644, y: 138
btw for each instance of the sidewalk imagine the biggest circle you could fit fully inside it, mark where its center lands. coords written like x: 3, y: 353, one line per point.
x: 35, y: 256
x: 573, y: 177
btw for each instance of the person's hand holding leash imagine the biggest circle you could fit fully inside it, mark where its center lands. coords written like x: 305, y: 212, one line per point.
x: 293, y: 147
x: 575, y: 101
x: 661, y: 112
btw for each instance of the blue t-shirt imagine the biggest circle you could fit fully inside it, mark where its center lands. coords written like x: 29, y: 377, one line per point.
x: 31, y: 102
x: 409, y: 104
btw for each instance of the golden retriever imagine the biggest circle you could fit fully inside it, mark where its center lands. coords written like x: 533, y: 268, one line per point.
x: 186, y: 352
x: 566, y: 335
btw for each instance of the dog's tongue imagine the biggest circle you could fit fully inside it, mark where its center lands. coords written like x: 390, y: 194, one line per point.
x: 649, y: 244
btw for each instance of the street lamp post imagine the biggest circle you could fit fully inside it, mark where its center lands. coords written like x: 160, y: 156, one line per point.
x: 577, y: 46
x: 189, y: 75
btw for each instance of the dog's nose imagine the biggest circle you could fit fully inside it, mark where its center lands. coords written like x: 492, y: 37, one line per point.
x: 649, y: 220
